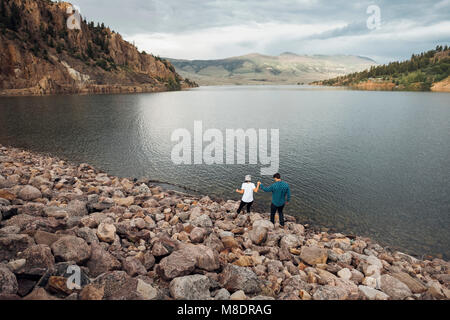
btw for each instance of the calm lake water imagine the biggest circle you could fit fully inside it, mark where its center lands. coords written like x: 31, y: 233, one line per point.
x: 369, y: 163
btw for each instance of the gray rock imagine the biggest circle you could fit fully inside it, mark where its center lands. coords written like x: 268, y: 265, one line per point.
x: 328, y: 292
x: 202, y: 221
x: 345, y: 258
x: 146, y: 291
x: 372, y: 294
x: 289, y: 241
x: 8, y: 281
x: 87, y: 234
x: 195, y: 287
x: 222, y: 294
x: 234, y: 278
x: 345, y: 274
x: 77, y: 208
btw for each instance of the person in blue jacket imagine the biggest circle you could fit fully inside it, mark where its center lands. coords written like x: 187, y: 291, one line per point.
x: 281, y: 195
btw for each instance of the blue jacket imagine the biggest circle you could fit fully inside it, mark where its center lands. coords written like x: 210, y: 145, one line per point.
x: 280, y: 191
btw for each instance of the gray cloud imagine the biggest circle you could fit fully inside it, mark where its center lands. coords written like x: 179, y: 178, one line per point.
x: 185, y: 28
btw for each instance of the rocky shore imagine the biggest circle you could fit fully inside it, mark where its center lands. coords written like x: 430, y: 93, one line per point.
x: 72, y: 232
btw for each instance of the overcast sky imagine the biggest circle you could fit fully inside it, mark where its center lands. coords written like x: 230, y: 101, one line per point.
x: 207, y: 29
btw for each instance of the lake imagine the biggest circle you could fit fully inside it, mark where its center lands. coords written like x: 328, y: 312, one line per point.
x: 375, y: 164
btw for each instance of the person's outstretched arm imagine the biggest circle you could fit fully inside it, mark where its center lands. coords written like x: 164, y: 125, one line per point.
x: 240, y: 191
x: 257, y: 187
x: 267, y: 189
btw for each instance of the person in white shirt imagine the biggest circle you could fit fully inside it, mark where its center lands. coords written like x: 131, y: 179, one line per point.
x: 247, y: 190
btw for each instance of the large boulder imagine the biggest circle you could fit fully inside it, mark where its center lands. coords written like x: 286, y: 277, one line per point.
x: 314, y: 255
x: 29, y: 193
x: 234, y: 278
x: 71, y: 248
x: 289, y: 241
x: 195, y: 287
x: 8, y: 281
x: 258, y: 235
x: 393, y: 287
x: 101, y: 261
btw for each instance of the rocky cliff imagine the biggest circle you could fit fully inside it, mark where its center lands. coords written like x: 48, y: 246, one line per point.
x: 40, y: 54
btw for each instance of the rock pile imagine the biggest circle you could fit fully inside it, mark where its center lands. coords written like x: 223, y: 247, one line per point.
x: 72, y: 232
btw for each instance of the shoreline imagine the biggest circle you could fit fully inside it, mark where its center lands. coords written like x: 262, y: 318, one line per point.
x: 441, y: 87
x: 97, y: 90
x: 156, y: 243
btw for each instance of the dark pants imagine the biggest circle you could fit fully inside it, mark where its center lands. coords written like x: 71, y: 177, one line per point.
x: 273, y: 210
x: 243, y: 204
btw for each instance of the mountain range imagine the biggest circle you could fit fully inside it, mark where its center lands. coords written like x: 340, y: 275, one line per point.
x: 286, y: 68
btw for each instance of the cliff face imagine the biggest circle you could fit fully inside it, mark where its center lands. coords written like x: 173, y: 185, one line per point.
x: 39, y: 55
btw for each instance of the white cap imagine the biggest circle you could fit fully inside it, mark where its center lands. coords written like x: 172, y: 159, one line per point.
x: 248, y: 178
